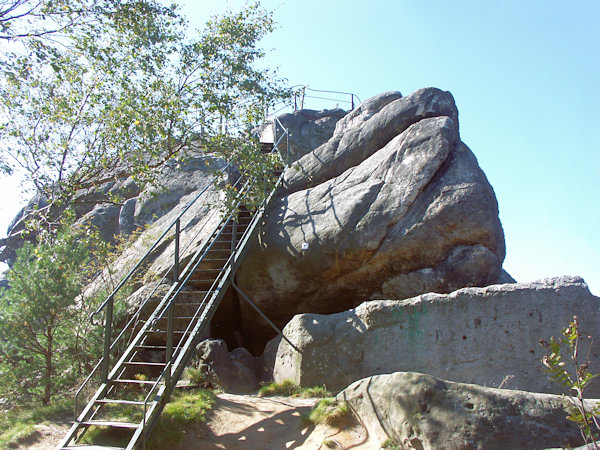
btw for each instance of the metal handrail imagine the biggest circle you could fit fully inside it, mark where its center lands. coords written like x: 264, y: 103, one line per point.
x: 304, y: 88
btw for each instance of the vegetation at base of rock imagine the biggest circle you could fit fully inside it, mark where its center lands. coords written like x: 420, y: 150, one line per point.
x: 47, y: 343
x: 184, y: 410
x: 289, y: 388
x: 573, y: 374
x: 328, y: 411
x: 18, y: 423
x: 390, y: 444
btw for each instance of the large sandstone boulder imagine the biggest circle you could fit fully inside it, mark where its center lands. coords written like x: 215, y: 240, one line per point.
x: 398, y: 207
x: 308, y: 129
x: 474, y: 335
x: 420, y: 411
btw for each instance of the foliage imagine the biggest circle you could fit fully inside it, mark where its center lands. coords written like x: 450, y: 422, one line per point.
x: 93, y: 91
x: 46, y: 340
x: 390, y: 444
x: 17, y: 423
x: 573, y: 374
x: 184, y: 410
x: 329, y: 411
x: 289, y: 388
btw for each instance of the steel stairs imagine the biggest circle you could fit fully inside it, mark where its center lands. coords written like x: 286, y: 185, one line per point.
x: 136, y: 383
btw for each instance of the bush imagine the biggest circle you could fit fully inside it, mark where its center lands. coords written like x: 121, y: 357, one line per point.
x: 288, y: 388
x: 330, y: 412
x: 573, y: 374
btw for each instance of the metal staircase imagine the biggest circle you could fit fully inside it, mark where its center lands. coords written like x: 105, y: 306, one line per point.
x: 143, y: 362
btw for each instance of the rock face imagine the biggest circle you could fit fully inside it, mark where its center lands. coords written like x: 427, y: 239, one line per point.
x: 473, y: 335
x: 420, y: 411
x: 308, y: 129
x: 392, y: 206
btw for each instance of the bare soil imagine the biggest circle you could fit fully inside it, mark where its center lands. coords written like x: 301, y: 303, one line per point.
x: 246, y: 422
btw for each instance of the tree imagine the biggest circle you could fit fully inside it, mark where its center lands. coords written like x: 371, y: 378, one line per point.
x: 46, y: 341
x: 103, y: 90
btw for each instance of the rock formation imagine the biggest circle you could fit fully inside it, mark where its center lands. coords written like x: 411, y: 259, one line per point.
x: 420, y: 411
x: 392, y: 206
x: 473, y: 335
x: 382, y: 202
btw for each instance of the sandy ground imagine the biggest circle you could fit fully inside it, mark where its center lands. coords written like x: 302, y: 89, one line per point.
x: 245, y: 422
x: 253, y: 423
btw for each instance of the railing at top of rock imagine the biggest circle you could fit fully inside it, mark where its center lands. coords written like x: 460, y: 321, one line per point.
x: 301, y: 94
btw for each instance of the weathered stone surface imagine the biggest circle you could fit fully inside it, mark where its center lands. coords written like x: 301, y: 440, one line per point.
x: 420, y: 411
x: 365, y: 132
x: 177, y: 181
x: 105, y: 217
x: 413, y: 213
x: 236, y: 371
x: 308, y: 129
x: 126, y: 217
x: 473, y: 335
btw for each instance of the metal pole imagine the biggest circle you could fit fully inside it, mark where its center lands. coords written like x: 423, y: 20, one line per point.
x: 262, y: 314
x: 176, y: 265
x: 233, y: 234
x: 169, y: 350
x: 107, y: 338
x: 287, y: 139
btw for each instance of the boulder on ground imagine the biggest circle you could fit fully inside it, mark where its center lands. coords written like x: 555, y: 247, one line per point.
x: 484, y: 336
x: 235, y: 371
x: 420, y: 411
x: 398, y: 207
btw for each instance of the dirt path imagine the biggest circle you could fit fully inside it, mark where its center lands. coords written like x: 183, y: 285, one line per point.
x: 253, y: 423
x: 245, y: 422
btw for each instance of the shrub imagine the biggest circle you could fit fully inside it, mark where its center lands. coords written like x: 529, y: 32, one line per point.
x: 329, y: 411
x: 573, y: 374
x: 288, y: 388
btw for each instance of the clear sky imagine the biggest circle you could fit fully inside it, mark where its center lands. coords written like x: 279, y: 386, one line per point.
x: 526, y: 79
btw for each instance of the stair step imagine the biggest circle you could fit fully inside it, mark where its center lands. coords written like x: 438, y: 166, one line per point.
x: 143, y: 363
x: 126, y: 381
x: 151, y: 347
x: 108, y: 423
x: 119, y: 401
x: 90, y: 447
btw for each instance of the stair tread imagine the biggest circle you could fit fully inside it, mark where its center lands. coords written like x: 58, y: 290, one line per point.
x: 143, y: 363
x: 128, y: 381
x: 119, y: 401
x: 90, y: 447
x: 111, y: 423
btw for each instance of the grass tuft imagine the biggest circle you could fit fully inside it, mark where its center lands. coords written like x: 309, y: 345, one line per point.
x: 185, y: 409
x: 329, y: 412
x: 288, y: 388
x: 17, y: 424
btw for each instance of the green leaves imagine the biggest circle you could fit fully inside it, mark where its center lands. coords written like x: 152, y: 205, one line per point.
x: 45, y: 337
x: 573, y: 374
x: 120, y: 90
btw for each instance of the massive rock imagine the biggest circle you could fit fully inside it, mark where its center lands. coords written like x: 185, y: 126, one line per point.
x: 419, y: 411
x: 474, y: 335
x: 308, y: 129
x: 398, y: 206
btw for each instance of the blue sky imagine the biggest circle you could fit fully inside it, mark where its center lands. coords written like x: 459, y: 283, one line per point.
x: 525, y: 76
x: 526, y: 79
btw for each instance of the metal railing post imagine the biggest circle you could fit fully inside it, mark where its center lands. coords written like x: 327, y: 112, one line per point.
x: 169, y: 351
x: 107, y: 338
x: 176, y: 264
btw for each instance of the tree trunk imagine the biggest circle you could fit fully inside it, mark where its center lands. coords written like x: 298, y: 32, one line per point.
x: 48, y: 371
